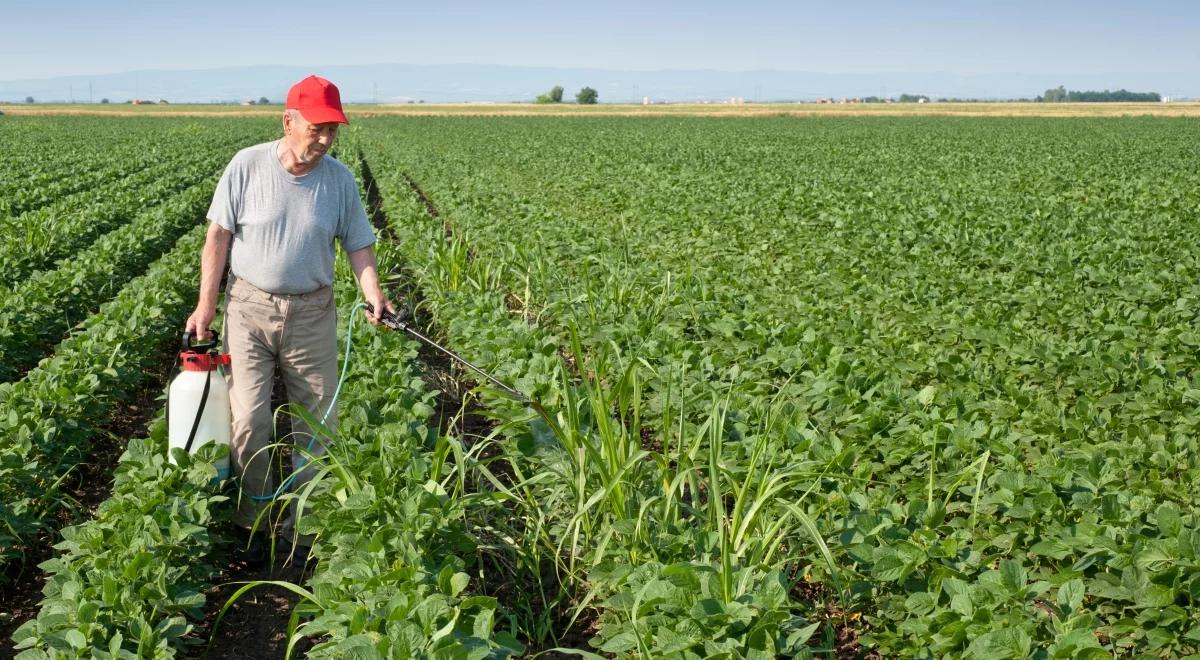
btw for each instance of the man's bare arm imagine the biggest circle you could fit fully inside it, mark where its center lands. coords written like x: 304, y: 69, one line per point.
x: 212, y: 267
x: 366, y: 270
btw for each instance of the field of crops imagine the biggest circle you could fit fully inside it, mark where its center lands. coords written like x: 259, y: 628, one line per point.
x: 840, y: 387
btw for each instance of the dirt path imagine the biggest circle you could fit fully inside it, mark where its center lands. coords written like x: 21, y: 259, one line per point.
x: 255, y: 626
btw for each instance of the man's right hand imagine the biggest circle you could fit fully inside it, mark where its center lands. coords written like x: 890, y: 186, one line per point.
x: 199, y: 321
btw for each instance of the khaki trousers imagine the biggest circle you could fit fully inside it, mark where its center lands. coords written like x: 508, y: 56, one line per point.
x: 299, y: 333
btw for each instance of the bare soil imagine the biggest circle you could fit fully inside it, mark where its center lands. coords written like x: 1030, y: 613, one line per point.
x: 255, y: 626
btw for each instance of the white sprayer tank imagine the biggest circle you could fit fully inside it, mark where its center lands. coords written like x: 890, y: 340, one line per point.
x: 184, y: 399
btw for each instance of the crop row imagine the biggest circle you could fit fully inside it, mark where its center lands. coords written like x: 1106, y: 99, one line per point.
x: 392, y: 548
x: 36, y: 240
x: 125, y: 583
x: 36, y: 312
x: 46, y: 159
x: 33, y: 241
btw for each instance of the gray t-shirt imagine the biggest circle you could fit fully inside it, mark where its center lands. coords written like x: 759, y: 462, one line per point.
x: 284, y: 225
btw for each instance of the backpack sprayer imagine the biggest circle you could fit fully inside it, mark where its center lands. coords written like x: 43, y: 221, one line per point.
x: 198, y: 399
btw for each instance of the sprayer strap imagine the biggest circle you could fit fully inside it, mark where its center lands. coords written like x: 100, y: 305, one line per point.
x: 187, y: 448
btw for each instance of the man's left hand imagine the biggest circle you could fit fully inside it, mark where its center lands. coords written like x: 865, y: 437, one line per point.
x: 379, y: 302
x: 366, y: 271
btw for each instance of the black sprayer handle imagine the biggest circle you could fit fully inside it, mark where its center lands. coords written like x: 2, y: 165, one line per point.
x: 393, y: 321
x: 189, y: 343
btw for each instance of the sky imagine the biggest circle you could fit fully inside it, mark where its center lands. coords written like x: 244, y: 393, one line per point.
x: 44, y: 38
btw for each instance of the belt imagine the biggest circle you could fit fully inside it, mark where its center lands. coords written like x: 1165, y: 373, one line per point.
x: 281, y: 296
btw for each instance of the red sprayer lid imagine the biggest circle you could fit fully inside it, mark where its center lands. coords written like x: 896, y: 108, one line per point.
x: 203, y: 361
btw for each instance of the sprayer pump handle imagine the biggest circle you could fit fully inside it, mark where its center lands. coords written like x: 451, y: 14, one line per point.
x: 189, y: 343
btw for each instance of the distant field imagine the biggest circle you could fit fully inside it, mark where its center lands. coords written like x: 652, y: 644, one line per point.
x: 682, y: 109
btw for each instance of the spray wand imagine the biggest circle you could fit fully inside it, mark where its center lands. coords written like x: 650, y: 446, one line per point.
x: 400, y: 322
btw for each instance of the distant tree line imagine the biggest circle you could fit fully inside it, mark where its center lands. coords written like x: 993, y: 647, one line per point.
x: 1062, y: 95
x: 586, y: 96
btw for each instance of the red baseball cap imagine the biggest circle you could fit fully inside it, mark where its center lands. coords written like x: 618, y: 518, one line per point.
x: 318, y: 101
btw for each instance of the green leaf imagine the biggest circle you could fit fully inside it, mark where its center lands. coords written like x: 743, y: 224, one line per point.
x: 1007, y: 643
x: 75, y: 639
x: 1170, y: 523
x: 1070, y: 595
x: 619, y: 643
x: 1014, y: 576
x: 921, y: 603
x: 459, y: 582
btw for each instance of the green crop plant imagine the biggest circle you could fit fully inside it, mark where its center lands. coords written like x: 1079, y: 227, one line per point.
x: 43, y: 157
x: 38, y: 310
x: 389, y: 579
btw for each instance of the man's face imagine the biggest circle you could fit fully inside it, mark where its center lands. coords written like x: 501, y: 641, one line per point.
x: 309, y: 141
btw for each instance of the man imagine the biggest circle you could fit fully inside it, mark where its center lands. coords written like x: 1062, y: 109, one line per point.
x: 281, y: 205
